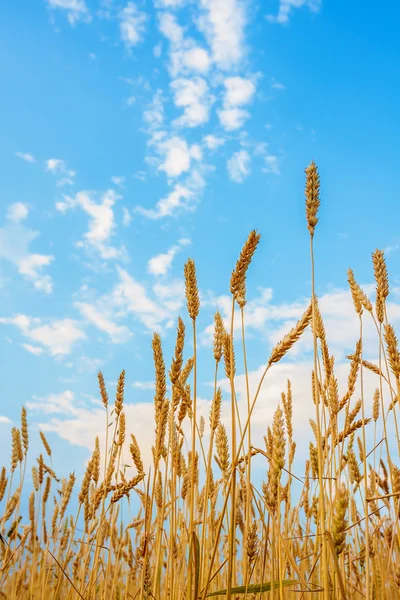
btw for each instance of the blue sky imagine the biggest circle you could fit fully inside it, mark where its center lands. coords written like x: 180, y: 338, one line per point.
x: 138, y: 134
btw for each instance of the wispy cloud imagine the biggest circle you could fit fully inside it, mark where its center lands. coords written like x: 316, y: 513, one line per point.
x: 101, y: 221
x: 17, y: 212
x: 59, y: 168
x: 286, y: 8
x: 57, y: 335
x: 271, y: 164
x: 182, y: 198
x: 153, y: 308
x: 238, y: 166
x: 171, y: 154
x: 97, y: 317
x: 193, y: 96
x: 75, y: 10
x: 170, y: 3
x: 55, y: 404
x: 131, y: 302
x: 185, y: 54
x: 36, y: 350
x: 26, y: 156
x: 130, y: 101
x: 153, y: 116
x: 239, y: 91
x: 392, y: 248
x: 161, y: 264
x: 176, y: 156
x: 15, y: 241
x: 213, y: 142
x: 75, y: 419
x: 126, y: 217
x: 118, y: 180
x: 85, y: 364
x: 131, y: 295
x: 132, y: 25
x: 223, y: 23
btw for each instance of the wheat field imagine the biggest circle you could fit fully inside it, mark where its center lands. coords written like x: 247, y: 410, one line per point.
x: 205, y: 527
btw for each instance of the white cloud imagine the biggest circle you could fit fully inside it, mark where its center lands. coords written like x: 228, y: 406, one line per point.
x: 131, y: 296
x: 238, y: 166
x: 196, y: 152
x: 238, y: 92
x: 213, y: 142
x: 286, y: 7
x: 17, y: 212
x: 76, y: 10
x: 31, y: 265
x: 179, y: 197
x: 185, y: 241
x: 182, y: 198
x: 55, y: 403
x: 160, y: 264
x: 197, y: 59
x: 130, y: 101
x: 132, y: 25
x: 271, y: 161
x: 233, y: 118
x: 4, y: 419
x: 140, y: 175
x: 127, y: 217
x: 271, y: 164
x: 172, y: 295
x: 170, y: 28
x: 139, y: 81
x: 55, y: 164
x: 86, y: 364
x: 96, y: 315
x: 154, y: 115
x: 172, y: 153
x: 118, y: 180
x: 185, y: 54
x: 170, y: 3
x: 193, y: 96
x: 177, y: 156
x: 15, y: 240
x: 78, y: 421
x: 223, y: 22
x: 26, y: 156
x: 391, y: 248
x: 278, y: 86
x: 101, y: 221
x: 58, y: 167
x: 36, y: 350
x: 154, y: 314
x: 57, y: 336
